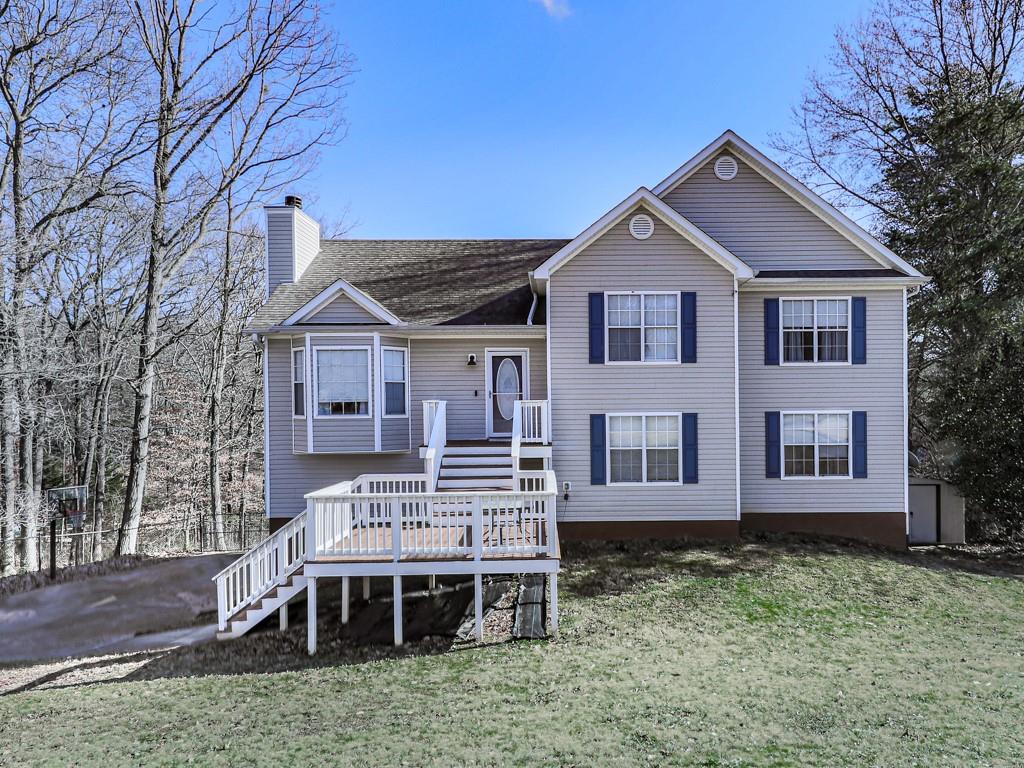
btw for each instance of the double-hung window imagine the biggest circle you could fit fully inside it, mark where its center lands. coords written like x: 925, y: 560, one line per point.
x: 298, y: 382
x: 395, y: 381
x: 343, y: 382
x: 815, y: 330
x: 643, y: 448
x: 816, y: 444
x: 643, y: 327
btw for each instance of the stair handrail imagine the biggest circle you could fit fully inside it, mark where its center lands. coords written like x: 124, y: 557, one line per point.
x: 266, y: 565
x: 517, y: 441
x: 436, y: 442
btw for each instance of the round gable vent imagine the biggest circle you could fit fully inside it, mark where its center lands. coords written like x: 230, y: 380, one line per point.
x: 726, y: 167
x: 641, y: 226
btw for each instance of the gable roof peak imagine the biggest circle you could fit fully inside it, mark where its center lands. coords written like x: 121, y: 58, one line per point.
x: 794, y: 188
x: 680, y: 224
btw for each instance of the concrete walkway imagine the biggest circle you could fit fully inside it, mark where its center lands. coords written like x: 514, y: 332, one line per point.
x: 153, y: 606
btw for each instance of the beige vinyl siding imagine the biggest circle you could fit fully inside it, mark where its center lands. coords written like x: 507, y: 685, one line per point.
x: 876, y: 387
x: 307, y: 241
x: 279, y: 248
x: 440, y: 372
x: 343, y: 434
x: 580, y: 389
x: 293, y: 475
x: 394, y: 431
x: 343, y: 310
x: 761, y: 224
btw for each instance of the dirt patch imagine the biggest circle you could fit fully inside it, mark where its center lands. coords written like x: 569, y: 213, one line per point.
x: 432, y: 622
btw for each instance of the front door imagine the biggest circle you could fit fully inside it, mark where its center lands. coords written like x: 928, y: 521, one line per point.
x: 507, y: 382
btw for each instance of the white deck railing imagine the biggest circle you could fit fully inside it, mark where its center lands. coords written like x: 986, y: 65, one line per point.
x: 356, y: 522
x: 435, y: 437
x: 263, y: 567
x: 533, y: 420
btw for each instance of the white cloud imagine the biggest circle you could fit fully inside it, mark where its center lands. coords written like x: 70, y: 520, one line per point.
x: 556, y: 9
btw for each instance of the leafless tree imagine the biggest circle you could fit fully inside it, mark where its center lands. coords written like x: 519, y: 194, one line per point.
x: 258, y: 89
x: 65, y: 87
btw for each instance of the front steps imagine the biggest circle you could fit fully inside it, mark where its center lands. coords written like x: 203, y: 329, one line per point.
x: 270, y: 603
x: 476, y: 467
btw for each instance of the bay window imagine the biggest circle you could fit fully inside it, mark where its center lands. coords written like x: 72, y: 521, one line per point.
x: 395, y: 381
x: 298, y: 382
x: 342, y: 381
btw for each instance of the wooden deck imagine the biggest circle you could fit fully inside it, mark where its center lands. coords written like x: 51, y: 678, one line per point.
x: 418, y: 541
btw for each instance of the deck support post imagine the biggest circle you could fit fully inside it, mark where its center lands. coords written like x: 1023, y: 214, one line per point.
x: 478, y: 606
x: 398, y: 609
x: 311, y: 614
x: 283, y: 617
x: 554, y: 603
x: 366, y: 587
x: 432, y: 582
x: 344, y: 599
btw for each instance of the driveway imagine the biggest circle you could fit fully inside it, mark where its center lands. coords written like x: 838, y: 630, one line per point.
x: 152, y: 606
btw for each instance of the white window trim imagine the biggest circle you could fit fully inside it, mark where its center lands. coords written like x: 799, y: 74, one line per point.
x: 643, y: 354
x: 816, y: 414
x: 384, y: 382
x: 316, y: 382
x: 815, y: 362
x: 643, y: 451
x: 291, y: 376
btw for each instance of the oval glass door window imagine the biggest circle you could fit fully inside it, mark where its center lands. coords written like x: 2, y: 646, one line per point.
x: 506, y: 388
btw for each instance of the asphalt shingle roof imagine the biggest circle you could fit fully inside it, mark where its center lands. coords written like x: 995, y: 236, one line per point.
x: 431, y: 282
x: 836, y: 273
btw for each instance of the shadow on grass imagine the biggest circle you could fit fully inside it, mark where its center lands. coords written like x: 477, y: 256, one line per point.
x: 591, y: 569
x: 431, y: 622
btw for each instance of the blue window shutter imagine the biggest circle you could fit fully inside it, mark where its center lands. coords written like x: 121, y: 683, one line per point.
x: 597, y: 449
x: 860, y: 444
x: 597, y: 327
x: 688, y: 314
x: 860, y: 330
x: 689, y: 447
x: 771, y: 332
x: 772, y: 444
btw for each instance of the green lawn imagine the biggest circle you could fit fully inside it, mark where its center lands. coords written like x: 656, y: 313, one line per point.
x: 755, y: 654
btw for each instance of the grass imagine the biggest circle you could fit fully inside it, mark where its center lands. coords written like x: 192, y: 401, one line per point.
x: 762, y: 653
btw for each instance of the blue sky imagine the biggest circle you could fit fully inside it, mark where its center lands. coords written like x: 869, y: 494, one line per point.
x: 523, y: 118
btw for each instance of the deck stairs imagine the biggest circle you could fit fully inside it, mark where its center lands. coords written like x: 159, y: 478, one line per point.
x: 269, y: 604
x: 480, y: 466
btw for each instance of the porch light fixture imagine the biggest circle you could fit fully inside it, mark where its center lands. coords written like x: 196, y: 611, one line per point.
x: 470, y: 359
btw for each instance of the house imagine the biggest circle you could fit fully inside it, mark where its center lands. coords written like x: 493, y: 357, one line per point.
x: 721, y: 352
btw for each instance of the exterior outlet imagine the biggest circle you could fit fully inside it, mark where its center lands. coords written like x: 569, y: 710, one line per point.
x: 293, y: 240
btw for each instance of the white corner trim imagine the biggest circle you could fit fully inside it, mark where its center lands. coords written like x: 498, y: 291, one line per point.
x: 330, y: 293
x: 668, y: 215
x: 736, y: 383
x: 378, y: 405
x: 266, y: 427
x: 792, y: 187
x: 906, y: 418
